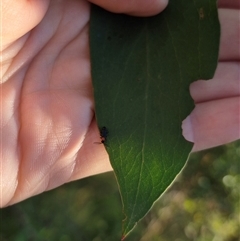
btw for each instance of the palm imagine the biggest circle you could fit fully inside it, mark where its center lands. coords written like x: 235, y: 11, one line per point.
x: 51, y: 122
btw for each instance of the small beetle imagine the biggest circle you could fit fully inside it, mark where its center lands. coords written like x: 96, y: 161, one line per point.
x: 103, y: 135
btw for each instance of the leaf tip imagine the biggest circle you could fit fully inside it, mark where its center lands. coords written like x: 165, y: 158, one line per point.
x: 123, y: 237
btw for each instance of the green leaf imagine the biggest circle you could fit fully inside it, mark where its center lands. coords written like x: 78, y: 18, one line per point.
x: 141, y: 70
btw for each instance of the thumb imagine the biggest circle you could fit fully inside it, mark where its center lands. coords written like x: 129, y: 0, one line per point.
x: 19, y: 17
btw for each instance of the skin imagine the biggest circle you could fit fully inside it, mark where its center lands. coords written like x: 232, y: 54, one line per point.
x: 47, y: 111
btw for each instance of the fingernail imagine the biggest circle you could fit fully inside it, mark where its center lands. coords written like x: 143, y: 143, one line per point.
x: 187, y: 130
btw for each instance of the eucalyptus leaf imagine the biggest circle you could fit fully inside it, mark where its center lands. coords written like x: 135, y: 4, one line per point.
x: 141, y: 70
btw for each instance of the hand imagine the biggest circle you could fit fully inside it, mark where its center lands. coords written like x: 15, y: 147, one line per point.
x: 216, y: 117
x: 47, y: 119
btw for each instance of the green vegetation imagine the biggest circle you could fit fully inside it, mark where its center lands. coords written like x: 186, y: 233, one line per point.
x: 202, y: 205
x: 141, y: 71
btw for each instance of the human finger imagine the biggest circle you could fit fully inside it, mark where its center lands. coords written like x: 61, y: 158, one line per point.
x: 225, y: 84
x: 133, y: 7
x: 230, y: 32
x: 234, y: 4
x: 19, y: 17
x: 213, y: 123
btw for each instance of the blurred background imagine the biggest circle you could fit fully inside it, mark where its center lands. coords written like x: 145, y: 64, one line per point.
x: 203, y: 204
